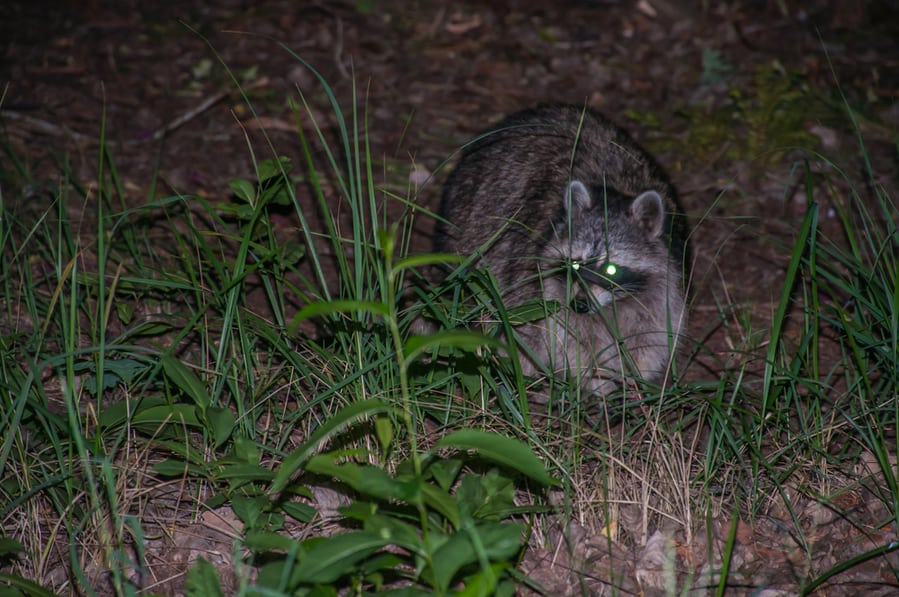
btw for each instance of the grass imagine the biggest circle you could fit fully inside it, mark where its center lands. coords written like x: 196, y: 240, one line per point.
x: 181, y: 358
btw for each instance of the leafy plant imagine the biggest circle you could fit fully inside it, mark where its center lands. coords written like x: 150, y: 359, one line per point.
x: 421, y: 519
x: 428, y: 524
x: 758, y: 123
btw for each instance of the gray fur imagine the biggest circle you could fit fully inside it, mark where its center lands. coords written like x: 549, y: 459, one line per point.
x: 557, y: 186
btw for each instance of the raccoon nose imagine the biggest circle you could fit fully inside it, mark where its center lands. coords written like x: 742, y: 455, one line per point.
x: 580, y: 305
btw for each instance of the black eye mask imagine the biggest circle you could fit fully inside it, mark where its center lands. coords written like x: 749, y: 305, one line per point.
x: 608, y: 275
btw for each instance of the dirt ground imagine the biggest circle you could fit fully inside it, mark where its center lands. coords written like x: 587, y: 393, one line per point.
x: 433, y: 74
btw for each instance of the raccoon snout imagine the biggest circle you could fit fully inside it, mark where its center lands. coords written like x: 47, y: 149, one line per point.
x: 581, y: 304
x: 584, y: 301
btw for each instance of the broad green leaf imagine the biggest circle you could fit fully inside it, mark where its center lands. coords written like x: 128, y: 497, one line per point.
x: 220, y: 423
x: 261, y: 541
x: 358, y: 510
x: 337, y: 556
x: 115, y: 372
x: 243, y: 189
x: 273, y: 167
x: 243, y: 211
x: 299, y: 511
x: 440, y: 500
x: 127, y: 369
x: 10, y: 547
x: 183, y: 378
x: 333, y: 425
x: 275, y: 193
x: 500, y: 541
x: 246, y: 450
x: 244, y: 472
x: 366, y: 479
x: 125, y: 311
x: 110, y: 380
x: 483, y: 583
x: 462, y: 339
x: 118, y: 413
x: 215, y: 501
x: 249, y: 509
x: 175, y: 414
x: 380, y: 561
x: 22, y: 586
x: 445, y: 471
x: 160, y: 420
x: 427, y: 259
x: 396, y: 532
x: 185, y: 450
x: 384, y: 431
x: 149, y: 328
x: 340, y: 306
x: 290, y: 253
x: 178, y: 468
x: 272, y: 520
x: 203, y: 580
x: 486, y: 496
x: 277, y: 577
x: 446, y: 563
x: 502, y: 450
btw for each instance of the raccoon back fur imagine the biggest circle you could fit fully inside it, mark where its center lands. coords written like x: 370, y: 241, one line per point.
x: 562, y: 204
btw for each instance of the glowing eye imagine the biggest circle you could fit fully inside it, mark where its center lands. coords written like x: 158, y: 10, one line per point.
x: 611, y: 269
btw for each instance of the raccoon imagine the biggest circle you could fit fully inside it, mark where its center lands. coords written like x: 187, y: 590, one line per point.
x: 561, y: 204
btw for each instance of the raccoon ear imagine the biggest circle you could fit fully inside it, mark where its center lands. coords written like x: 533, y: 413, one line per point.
x: 648, y: 209
x: 577, y: 197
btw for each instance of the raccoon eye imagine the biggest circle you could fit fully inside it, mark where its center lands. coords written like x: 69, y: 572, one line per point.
x: 596, y: 272
x: 608, y: 275
x: 609, y: 270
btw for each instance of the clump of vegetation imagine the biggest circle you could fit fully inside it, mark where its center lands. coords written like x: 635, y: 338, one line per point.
x: 160, y: 349
x: 758, y: 124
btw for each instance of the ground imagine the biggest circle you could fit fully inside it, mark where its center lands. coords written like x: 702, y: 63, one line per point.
x: 720, y: 91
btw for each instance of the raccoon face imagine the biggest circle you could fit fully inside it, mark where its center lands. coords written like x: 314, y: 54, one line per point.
x: 610, y: 249
x: 598, y: 282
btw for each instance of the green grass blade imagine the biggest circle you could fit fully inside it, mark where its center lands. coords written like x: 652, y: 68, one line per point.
x: 502, y: 450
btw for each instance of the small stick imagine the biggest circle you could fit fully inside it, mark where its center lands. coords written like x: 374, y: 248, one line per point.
x: 43, y: 127
x: 204, y: 105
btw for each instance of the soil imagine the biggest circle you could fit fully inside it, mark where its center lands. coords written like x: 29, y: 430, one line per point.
x: 157, y: 78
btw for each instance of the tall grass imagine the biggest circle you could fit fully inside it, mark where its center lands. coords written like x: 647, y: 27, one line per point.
x: 819, y: 425
x: 170, y: 334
